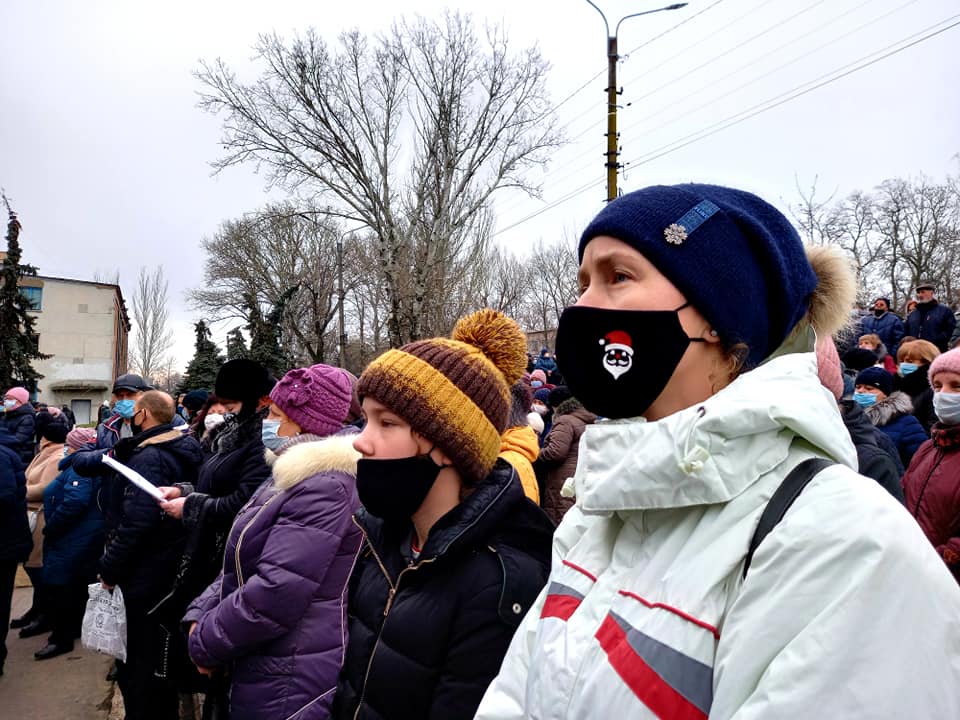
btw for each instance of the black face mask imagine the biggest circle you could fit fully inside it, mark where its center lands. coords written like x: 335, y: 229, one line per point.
x: 878, y: 312
x: 595, y: 352
x: 395, y: 489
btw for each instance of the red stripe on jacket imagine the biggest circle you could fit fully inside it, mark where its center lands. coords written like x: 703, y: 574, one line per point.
x: 650, y: 688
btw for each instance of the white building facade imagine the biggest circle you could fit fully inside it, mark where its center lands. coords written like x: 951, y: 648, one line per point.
x: 83, y: 327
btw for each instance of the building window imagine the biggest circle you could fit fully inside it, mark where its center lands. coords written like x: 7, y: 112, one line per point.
x: 82, y: 308
x: 34, y: 296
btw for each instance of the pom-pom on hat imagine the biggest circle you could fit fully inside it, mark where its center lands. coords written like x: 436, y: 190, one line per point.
x: 455, y: 391
x: 734, y: 257
x: 317, y: 398
x: 947, y: 362
x: 876, y: 377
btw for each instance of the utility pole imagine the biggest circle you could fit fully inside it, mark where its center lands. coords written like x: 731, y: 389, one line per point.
x: 613, y: 138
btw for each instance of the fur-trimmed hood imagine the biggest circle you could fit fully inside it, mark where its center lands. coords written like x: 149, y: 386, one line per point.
x: 889, y: 409
x: 298, y: 462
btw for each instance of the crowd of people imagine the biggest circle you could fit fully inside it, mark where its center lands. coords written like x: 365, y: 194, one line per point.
x: 701, y: 506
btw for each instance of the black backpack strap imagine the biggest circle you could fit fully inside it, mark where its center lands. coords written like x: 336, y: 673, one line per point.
x: 781, y: 501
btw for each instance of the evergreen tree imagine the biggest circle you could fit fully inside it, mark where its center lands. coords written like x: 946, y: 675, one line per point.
x: 202, y: 370
x: 19, y: 343
x: 236, y: 345
x: 265, y: 334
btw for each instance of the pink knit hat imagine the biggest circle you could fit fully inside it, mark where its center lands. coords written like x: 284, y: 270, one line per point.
x: 316, y: 398
x: 19, y: 394
x: 78, y: 437
x: 539, y: 375
x: 828, y: 366
x: 947, y: 362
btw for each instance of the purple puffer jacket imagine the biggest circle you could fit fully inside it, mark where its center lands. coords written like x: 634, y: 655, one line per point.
x: 276, y: 616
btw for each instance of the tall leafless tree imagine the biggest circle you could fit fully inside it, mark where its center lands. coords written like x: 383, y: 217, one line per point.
x: 410, y: 133
x: 280, y: 253
x: 152, y: 337
x: 903, y: 232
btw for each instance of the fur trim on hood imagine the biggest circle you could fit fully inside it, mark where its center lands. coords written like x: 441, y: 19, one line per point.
x: 836, y: 291
x: 889, y: 409
x: 299, y: 462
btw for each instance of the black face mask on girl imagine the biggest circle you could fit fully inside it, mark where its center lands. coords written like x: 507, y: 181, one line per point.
x: 394, y: 489
x: 595, y: 352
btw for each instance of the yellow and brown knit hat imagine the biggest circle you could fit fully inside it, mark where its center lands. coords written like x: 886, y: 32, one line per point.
x: 455, y: 391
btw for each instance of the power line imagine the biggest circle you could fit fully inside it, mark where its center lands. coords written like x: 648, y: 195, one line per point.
x: 756, y: 79
x: 582, y: 87
x: 758, y: 109
x: 732, y: 50
x: 703, y: 106
x: 592, y: 128
x: 796, y: 92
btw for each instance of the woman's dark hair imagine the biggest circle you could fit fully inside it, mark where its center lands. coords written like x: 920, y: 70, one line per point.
x: 197, y: 427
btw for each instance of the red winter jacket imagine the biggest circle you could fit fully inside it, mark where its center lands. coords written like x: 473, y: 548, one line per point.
x: 931, y: 488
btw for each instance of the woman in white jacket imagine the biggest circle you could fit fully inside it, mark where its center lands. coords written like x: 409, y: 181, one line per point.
x: 651, y: 610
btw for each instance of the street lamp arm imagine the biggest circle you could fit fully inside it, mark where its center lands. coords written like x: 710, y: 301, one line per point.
x: 675, y: 6
x: 605, y: 23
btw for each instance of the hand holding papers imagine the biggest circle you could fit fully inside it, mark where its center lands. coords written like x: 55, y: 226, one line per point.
x: 136, y: 478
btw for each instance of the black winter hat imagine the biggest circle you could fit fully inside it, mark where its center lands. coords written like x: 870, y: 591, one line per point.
x: 242, y: 380
x: 860, y: 358
x: 55, y: 432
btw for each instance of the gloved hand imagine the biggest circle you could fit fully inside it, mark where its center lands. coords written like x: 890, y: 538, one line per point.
x: 123, y: 449
x: 88, y: 462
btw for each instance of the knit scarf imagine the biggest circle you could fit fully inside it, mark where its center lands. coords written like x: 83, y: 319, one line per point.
x: 945, y: 437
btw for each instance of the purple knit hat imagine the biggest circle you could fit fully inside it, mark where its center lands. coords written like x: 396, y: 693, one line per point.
x: 947, y: 362
x: 316, y: 398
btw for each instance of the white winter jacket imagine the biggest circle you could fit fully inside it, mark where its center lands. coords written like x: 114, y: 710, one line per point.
x: 846, y: 611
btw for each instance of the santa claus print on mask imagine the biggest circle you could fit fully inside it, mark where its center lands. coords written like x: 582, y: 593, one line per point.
x: 618, y: 352
x: 595, y: 352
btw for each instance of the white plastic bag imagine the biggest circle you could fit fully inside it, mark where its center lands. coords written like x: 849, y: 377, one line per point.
x: 105, y: 622
x: 32, y: 517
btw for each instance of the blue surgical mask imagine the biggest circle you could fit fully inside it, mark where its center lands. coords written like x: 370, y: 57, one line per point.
x: 269, y: 434
x: 124, y: 407
x: 947, y: 407
x: 907, y: 368
x: 864, y: 399
x: 9, y: 404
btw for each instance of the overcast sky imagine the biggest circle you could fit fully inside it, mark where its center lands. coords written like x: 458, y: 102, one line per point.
x: 105, y: 154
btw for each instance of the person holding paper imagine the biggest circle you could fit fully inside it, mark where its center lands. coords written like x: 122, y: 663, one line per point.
x: 143, y: 554
x: 279, y: 601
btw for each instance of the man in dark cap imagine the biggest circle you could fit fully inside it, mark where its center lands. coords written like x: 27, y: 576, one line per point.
x: 930, y: 320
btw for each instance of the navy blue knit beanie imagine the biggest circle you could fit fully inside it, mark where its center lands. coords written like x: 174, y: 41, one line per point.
x: 734, y: 257
x: 876, y: 377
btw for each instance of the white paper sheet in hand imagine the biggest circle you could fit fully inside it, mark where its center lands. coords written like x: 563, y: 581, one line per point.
x: 133, y: 476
